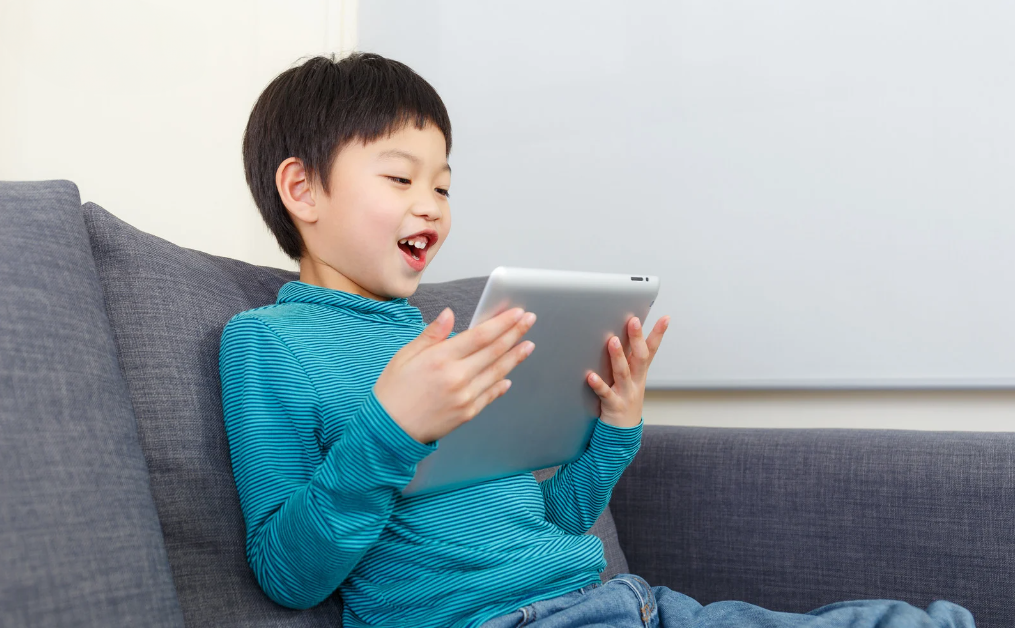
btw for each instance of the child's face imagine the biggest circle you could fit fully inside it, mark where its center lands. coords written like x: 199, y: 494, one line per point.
x: 381, y: 192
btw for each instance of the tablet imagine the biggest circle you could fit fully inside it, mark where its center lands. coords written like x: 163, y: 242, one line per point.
x: 547, y: 416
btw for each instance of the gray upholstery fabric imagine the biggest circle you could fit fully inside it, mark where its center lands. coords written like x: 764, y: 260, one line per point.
x: 795, y: 519
x: 168, y: 306
x: 80, y: 543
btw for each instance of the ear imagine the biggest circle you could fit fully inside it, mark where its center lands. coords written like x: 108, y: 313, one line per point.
x: 296, y: 190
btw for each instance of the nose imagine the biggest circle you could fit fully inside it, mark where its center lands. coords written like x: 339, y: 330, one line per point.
x: 427, y: 206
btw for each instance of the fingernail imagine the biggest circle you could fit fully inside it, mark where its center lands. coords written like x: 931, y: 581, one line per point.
x: 529, y: 346
x: 636, y: 324
x: 443, y: 316
x: 518, y: 313
x: 615, y: 342
x: 530, y: 318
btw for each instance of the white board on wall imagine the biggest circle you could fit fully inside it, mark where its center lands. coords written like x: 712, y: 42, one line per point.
x: 825, y: 189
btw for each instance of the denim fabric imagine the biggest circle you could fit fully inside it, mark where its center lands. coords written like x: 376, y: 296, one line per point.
x: 627, y: 601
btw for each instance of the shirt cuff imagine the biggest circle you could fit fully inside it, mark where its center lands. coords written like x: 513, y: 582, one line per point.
x: 390, y: 434
x: 620, y: 442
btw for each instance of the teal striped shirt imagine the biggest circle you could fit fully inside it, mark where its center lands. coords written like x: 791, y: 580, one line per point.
x: 319, y: 466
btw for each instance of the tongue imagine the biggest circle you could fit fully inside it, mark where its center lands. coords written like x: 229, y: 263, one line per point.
x: 407, y: 248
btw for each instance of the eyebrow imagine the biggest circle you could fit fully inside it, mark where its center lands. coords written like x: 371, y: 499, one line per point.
x: 404, y: 155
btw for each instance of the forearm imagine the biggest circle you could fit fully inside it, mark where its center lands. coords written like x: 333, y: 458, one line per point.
x: 576, y: 495
x: 303, y: 550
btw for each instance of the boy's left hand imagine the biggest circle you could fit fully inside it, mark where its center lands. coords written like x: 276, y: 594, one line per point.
x: 622, y: 403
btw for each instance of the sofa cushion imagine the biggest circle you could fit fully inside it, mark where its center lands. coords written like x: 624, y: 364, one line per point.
x: 168, y: 306
x: 793, y: 519
x: 80, y: 542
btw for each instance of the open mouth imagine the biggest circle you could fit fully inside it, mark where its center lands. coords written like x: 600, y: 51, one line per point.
x: 412, y: 251
x: 415, y: 256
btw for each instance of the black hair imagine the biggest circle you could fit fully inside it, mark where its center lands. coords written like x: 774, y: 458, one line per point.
x: 311, y: 111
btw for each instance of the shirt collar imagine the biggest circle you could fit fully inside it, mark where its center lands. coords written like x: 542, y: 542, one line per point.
x: 397, y: 310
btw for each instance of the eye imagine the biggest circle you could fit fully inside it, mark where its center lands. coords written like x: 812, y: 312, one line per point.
x: 444, y: 193
x: 401, y: 180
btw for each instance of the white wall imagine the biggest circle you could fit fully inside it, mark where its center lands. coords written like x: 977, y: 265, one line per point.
x: 822, y: 187
x: 143, y: 105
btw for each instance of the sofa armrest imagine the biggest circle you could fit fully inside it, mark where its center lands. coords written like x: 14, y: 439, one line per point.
x: 792, y: 519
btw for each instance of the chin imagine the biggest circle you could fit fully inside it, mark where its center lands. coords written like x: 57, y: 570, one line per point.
x: 405, y: 293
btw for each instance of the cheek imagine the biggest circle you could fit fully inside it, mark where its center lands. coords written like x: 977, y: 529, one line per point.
x: 378, y: 231
x: 373, y: 219
x: 445, y: 228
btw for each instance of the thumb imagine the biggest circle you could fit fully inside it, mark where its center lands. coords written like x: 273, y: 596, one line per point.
x: 435, y: 332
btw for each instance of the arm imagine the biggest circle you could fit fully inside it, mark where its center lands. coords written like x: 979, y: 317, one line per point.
x: 578, y: 492
x: 309, y: 516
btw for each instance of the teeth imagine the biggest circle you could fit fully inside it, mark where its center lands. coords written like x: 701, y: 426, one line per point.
x: 419, y: 244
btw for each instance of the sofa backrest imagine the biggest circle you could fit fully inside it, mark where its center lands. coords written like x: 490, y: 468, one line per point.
x: 793, y: 519
x: 80, y: 542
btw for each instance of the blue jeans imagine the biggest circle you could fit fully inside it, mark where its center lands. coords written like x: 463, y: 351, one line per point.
x: 628, y: 601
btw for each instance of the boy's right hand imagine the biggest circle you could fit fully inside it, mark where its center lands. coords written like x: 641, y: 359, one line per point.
x: 435, y: 383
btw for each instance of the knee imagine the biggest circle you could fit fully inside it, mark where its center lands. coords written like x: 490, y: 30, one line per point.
x: 950, y: 615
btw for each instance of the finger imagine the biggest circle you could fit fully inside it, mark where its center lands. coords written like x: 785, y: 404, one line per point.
x: 487, y: 396
x: 638, y: 356
x: 496, y: 371
x: 483, y: 358
x: 435, y: 332
x: 472, y: 340
x: 656, y: 337
x: 599, y: 386
x: 621, y: 371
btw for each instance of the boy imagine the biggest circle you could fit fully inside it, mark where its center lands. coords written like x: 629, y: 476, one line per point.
x: 333, y: 394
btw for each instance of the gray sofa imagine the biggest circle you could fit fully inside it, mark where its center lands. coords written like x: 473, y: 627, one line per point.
x: 118, y: 507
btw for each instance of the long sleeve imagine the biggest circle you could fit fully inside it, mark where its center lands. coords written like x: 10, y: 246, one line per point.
x: 310, y: 515
x: 579, y: 491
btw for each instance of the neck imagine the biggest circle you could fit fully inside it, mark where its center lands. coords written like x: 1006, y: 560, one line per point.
x: 315, y: 273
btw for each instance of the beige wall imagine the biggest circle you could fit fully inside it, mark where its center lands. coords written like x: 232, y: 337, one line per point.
x: 143, y: 104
